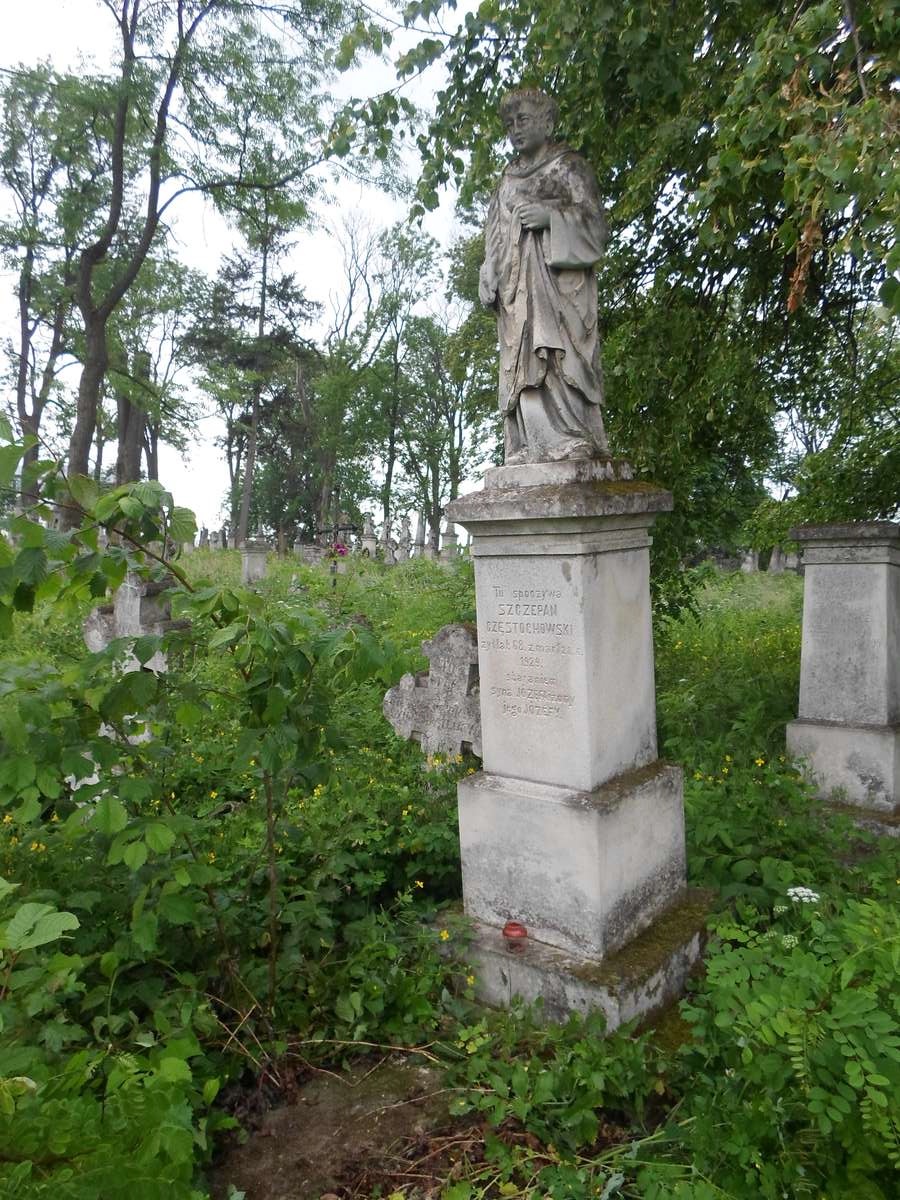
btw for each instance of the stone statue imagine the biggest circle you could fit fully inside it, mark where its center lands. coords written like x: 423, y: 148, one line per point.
x: 545, y: 232
x: 404, y: 544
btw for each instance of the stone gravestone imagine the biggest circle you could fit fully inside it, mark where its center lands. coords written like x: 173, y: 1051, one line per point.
x: 369, y: 540
x: 749, y: 562
x: 139, y: 609
x: 204, y: 539
x: 448, y: 547
x: 404, y: 542
x: 419, y: 543
x: 439, y: 708
x: 848, y: 725
x: 254, y: 560
x: 574, y: 829
x: 214, y: 540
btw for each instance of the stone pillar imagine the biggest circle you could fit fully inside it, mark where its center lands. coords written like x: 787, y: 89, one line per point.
x: 448, y: 543
x: 419, y: 543
x: 848, y: 724
x: 574, y: 828
x: 254, y: 560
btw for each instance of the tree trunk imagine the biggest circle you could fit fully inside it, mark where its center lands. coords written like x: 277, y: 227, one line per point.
x: 131, y: 424
x: 96, y: 360
x: 151, y: 449
x: 250, y: 462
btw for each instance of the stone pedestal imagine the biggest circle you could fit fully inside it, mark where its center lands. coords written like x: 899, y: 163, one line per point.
x: 254, y: 560
x: 848, y: 725
x: 574, y: 828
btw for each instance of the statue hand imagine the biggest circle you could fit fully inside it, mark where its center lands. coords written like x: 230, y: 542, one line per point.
x: 487, y: 287
x: 533, y: 216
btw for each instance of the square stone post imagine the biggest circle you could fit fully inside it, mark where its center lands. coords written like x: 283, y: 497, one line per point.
x: 574, y: 828
x: 848, y: 724
x: 254, y: 560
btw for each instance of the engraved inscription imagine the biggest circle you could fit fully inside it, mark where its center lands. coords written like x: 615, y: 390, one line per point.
x: 530, y: 638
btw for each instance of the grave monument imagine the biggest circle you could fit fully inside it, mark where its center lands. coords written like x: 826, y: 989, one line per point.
x: 574, y: 828
x: 254, y: 559
x: 848, y: 725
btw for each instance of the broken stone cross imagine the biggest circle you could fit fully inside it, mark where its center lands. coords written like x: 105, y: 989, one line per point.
x: 439, y: 708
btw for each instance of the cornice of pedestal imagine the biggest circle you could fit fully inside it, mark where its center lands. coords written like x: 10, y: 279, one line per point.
x: 849, y: 543
x: 568, y: 495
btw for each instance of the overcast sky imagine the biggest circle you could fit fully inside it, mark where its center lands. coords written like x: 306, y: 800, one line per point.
x: 69, y: 31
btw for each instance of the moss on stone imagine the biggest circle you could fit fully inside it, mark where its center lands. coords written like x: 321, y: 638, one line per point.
x: 651, y: 951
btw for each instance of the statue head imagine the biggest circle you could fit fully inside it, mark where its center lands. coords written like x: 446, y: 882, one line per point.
x: 530, y: 116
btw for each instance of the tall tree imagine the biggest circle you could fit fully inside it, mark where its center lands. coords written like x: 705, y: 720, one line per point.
x: 44, y: 165
x: 178, y: 62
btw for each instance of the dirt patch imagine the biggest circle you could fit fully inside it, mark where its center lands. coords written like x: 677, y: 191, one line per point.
x: 343, y: 1131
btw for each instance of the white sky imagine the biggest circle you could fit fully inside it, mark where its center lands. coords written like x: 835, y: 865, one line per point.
x: 67, y: 31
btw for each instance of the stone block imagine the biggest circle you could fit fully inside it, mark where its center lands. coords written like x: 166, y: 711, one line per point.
x: 583, y: 871
x: 254, y: 561
x: 640, y: 979
x: 565, y: 639
x: 857, y: 763
x: 850, y: 667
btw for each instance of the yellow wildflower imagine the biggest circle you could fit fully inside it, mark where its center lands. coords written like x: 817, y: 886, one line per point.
x: 419, y: 883
x: 760, y: 762
x: 445, y: 935
x: 470, y: 980
x: 211, y: 857
x: 7, y: 819
x: 213, y: 795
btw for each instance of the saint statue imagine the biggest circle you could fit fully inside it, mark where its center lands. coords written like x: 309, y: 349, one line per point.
x: 545, y: 232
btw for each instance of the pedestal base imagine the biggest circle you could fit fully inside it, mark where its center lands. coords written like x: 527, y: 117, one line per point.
x: 646, y: 975
x: 586, y: 872
x: 857, y: 764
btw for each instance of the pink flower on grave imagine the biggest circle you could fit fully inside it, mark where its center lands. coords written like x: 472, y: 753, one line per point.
x: 340, y: 550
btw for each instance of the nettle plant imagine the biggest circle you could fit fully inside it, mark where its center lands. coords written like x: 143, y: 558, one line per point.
x: 179, y: 942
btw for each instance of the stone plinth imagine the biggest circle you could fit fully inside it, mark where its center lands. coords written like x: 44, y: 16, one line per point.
x: 848, y: 726
x: 565, y: 643
x: 583, y: 871
x: 647, y: 974
x: 574, y: 829
x: 254, y: 560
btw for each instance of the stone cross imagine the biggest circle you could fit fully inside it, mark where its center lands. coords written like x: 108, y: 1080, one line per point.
x: 439, y: 708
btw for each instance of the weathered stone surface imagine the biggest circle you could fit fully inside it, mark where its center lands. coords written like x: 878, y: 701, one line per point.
x: 583, y: 871
x: 643, y: 977
x: 140, y: 608
x: 848, y: 726
x: 439, y: 708
x: 544, y: 234
x: 254, y: 560
x: 574, y: 829
x: 311, y: 554
x: 565, y: 638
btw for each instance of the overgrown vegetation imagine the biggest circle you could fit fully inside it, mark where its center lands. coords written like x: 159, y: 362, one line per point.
x: 215, y: 877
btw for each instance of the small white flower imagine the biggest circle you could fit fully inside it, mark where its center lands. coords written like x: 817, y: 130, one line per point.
x: 780, y: 909
x: 789, y: 941
x: 803, y: 895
